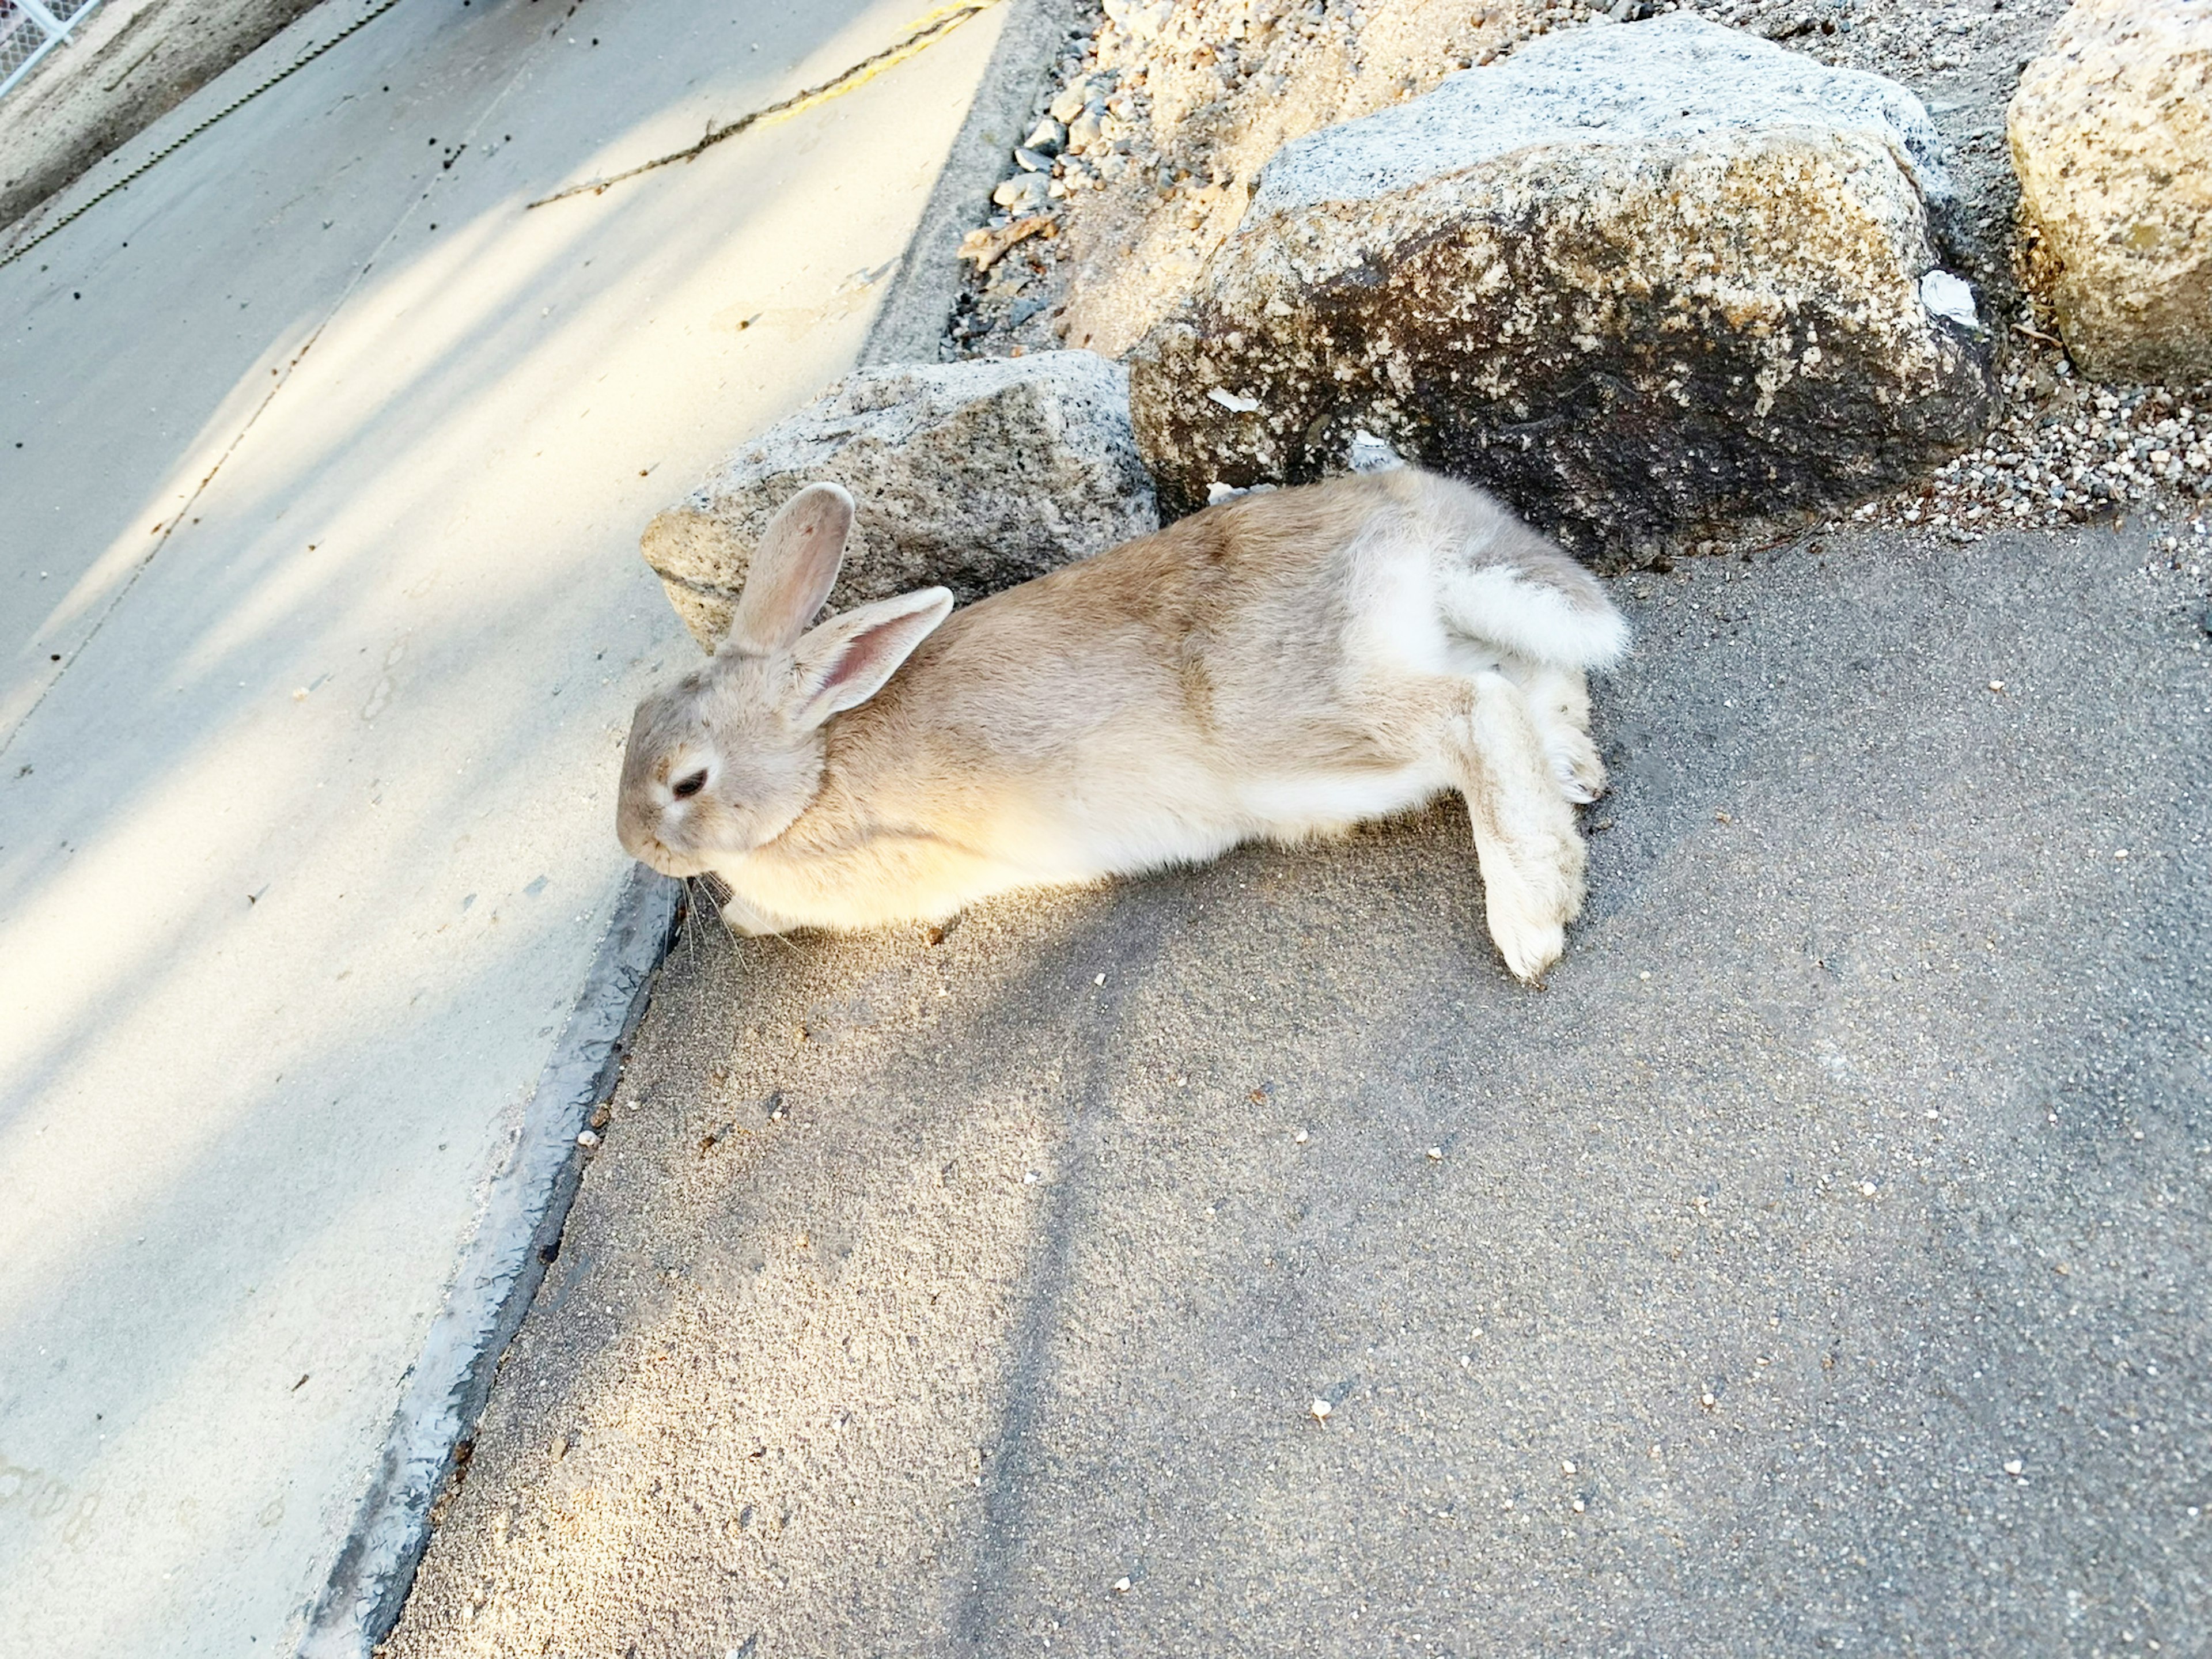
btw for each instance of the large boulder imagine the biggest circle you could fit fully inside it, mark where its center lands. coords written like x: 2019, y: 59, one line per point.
x: 1639, y: 279
x: 975, y: 476
x: 2111, y: 137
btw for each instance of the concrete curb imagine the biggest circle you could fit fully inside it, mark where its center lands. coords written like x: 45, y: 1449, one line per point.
x: 498, y: 1276
x: 911, y: 325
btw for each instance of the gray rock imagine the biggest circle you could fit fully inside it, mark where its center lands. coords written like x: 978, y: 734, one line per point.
x: 1668, y: 83
x: 1639, y: 280
x: 975, y: 475
x: 2113, y: 146
x: 1031, y: 161
x: 1048, y: 139
x: 1025, y: 192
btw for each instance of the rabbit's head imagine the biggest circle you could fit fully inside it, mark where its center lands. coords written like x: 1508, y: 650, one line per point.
x: 726, y: 759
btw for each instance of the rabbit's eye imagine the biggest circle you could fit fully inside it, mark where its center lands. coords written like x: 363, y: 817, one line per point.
x: 684, y: 788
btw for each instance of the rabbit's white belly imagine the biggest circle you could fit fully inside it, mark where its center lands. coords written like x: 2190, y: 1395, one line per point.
x: 1319, y: 804
x: 1132, y: 832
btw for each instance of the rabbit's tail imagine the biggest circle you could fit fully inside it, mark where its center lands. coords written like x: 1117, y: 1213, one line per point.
x: 1540, y: 605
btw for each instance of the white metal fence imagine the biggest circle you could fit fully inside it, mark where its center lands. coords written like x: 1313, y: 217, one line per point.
x: 29, y: 29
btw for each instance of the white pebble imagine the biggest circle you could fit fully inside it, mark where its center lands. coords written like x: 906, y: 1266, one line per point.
x: 1321, y: 1409
x: 1372, y: 454
x: 1946, y: 296
x: 2012, y: 1466
x: 1301, y: 1137
x: 586, y: 1139
x: 1436, y: 1153
x: 1566, y: 1466
x: 1867, y: 1189
x: 1121, y: 1586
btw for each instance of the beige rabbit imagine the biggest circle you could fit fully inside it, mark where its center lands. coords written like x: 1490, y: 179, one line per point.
x: 1283, y: 665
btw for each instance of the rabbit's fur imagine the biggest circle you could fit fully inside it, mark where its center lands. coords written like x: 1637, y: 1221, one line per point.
x: 1285, y: 664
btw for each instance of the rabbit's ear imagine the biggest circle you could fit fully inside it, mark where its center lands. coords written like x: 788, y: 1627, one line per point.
x: 846, y: 661
x: 793, y: 570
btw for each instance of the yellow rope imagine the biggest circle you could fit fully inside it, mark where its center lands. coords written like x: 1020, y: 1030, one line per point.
x: 926, y: 31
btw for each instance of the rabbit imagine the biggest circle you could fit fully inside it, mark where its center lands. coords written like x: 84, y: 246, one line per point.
x: 1283, y: 665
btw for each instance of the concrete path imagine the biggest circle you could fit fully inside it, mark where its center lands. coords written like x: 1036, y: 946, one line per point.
x: 1817, y: 1267
x: 321, y: 472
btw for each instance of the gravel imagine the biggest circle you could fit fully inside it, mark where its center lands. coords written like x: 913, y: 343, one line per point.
x: 2067, y: 450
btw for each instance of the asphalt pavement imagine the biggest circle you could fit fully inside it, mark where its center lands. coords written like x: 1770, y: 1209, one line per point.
x: 1238, y: 1262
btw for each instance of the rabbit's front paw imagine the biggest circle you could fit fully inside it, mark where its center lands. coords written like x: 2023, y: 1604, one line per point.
x: 1529, y: 945
x: 1528, y: 902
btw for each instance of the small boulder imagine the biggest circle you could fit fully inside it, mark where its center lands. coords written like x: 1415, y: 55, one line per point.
x: 1639, y: 280
x: 975, y: 475
x: 2111, y: 137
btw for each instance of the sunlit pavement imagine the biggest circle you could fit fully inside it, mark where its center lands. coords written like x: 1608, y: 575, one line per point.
x: 323, y: 467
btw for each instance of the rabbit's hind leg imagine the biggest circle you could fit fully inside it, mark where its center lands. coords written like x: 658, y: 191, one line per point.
x: 1525, y: 841
x: 1560, y: 708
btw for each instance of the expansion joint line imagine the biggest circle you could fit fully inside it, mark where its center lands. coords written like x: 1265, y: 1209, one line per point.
x: 923, y: 33
x: 186, y: 137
